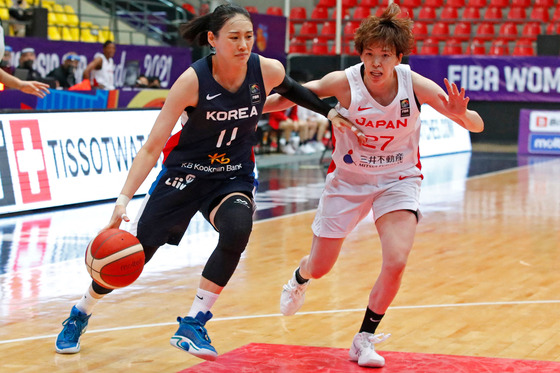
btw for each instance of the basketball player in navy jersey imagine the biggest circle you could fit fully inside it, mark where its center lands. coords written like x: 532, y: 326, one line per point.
x: 208, y: 165
x: 382, y: 175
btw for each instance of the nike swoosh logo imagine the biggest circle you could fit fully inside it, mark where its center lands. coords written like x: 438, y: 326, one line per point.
x: 403, y: 177
x: 372, y: 320
x: 208, y: 97
x: 364, y: 108
x: 201, y: 298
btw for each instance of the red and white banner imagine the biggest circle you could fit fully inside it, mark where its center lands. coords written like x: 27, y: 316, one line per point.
x: 65, y: 158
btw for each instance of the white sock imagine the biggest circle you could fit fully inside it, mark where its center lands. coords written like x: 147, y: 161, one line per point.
x: 88, y: 301
x: 203, y: 301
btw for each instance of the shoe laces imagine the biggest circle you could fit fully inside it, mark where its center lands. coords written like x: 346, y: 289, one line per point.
x: 72, y: 327
x: 295, y: 287
x: 376, y: 338
x: 195, y: 324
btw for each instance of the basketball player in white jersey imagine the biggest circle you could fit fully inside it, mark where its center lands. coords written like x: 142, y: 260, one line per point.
x: 101, y: 71
x: 382, y: 98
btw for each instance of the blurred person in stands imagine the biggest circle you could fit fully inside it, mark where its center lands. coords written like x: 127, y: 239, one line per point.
x: 313, y: 127
x: 154, y: 82
x: 382, y: 175
x: 101, y: 71
x: 20, y: 16
x: 208, y: 165
x: 31, y: 87
x: 285, y: 121
x: 65, y: 73
x: 26, y: 61
x: 142, y: 82
x: 6, y: 62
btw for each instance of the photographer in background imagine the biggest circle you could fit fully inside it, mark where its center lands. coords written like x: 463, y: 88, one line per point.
x: 20, y: 16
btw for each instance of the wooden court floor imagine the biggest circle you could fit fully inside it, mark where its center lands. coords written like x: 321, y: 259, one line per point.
x: 482, y: 280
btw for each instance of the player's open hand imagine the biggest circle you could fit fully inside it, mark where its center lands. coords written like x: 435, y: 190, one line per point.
x: 456, y: 102
x: 341, y: 122
x: 34, y: 88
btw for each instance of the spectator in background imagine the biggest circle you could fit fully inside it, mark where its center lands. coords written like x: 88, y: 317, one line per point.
x: 154, y: 82
x: 64, y: 74
x: 142, y: 82
x: 285, y: 121
x: 26, y: 61
x: 6, y: 62
x: 20, y: 15
x: 101, y: 71
x: 313, y: 128
x: 33, y: 88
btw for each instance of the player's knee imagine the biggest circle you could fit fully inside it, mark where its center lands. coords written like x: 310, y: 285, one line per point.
x: 234, y: 222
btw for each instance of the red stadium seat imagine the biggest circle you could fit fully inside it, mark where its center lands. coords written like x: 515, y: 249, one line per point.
x: 430, y: 46
x: 477, y: 3
x: 406, y: 12
x: 451, y: 47
x: 274, y: 11
x: 326, y: 3
x: 508, y: 31
x: 349, y: 3
x: 449, y: 14
x: 298, y: 13
x: 543, y: 3
x: 320, y: 47
x: 308, y: 30
x: 556, y: 14
x: 477, y: 48
x: 298, y: 45
x: 319, y: 14
x: 517, y: 14
x: 523, y: 47
x: 499, y: 3
x: 539, y: 14
x: 419, y: 30
x: 361, y: 12
x: 440, y: 30
x: 350, y: 29
x: 411, y: 3
x: 433, y: 3
x: 520, y: 3
x: 427, y: 14
x: 455, y: 3
x: 370, y: 3
x: 485, y: 31
x: 493, y: 14
x: 252, y: 9
x: 328, y: 29
x: 553, y: 28
x: 471, y: 14
x: 531, y: 30
x: 345, y: 13
x: 379, y: 11
x: 462, y: 31
x: 499, y: 47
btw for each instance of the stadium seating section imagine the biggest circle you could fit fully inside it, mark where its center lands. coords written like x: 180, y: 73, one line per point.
x: 444, y: 27
x: 63, y: 23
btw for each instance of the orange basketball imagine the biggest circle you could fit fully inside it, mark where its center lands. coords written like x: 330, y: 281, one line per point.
x: 115, y: 258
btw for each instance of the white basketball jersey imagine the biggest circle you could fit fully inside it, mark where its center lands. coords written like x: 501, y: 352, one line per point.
x: 393, y: 131
x: 105, y: 77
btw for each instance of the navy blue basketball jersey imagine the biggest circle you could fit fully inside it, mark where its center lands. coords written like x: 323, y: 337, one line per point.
x: 217, y: 139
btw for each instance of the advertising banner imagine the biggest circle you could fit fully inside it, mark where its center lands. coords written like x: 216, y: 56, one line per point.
x: 166, y: 63
x: 57, y: 159
x: 440, y: 135
x: 539, y: 132
x: 533, y: 79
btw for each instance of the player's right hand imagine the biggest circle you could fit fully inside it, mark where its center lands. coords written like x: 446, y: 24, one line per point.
x: 341, y: 122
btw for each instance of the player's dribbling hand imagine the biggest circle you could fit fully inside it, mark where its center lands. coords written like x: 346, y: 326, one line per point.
x: 341, y: 122
x: 119, y: 212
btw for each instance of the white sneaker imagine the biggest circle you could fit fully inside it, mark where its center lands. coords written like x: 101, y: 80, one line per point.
x: 306, y: 149
x: 318, y: 146
x: 363, y: 351
x: 288, y: 149
x: 293, y: 296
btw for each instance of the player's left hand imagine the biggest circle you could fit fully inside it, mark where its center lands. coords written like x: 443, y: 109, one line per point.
x: 341, y: 122
x: 456, y: 102
x: 34, y: 88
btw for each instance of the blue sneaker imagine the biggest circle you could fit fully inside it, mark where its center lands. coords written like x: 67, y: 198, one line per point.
x: 193, y: 338
x: 68, y: 341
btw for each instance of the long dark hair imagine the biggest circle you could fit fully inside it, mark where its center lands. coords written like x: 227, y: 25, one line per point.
x: 196, y: 31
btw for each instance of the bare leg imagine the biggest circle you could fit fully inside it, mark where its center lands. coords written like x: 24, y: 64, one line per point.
x: 323, y: 256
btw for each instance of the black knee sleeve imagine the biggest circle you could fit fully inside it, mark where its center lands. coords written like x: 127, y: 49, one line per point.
x: 234, y: 222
